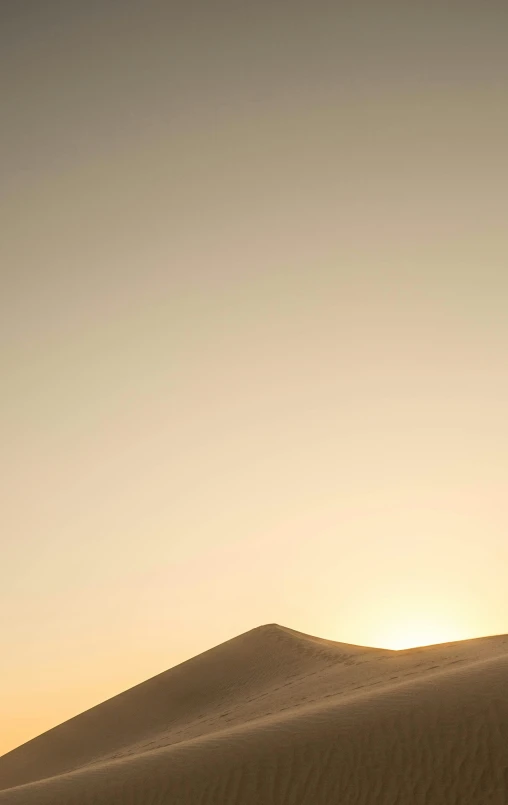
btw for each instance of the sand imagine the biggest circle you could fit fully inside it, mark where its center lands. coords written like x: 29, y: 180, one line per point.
x: 276, y: 717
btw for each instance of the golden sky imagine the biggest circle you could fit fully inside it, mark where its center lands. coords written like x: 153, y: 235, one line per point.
x: 253, y: 333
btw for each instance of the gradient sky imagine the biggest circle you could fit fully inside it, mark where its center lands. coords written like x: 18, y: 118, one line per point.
x: 254, y: 333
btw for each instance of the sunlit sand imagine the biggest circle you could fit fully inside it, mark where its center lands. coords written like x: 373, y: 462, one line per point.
x: 276, y: 717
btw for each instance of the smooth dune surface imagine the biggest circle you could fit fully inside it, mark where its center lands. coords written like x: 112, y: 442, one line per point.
x: 277, y: 717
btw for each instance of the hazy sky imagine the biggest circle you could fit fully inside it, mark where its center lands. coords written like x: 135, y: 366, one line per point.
x: 254, y: 332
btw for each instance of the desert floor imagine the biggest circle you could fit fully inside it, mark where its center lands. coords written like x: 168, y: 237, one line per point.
x: 276, y: 717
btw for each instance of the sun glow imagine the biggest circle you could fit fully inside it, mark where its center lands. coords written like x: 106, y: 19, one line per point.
x: 418, y: 631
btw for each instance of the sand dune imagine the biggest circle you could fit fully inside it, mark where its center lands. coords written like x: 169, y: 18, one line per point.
x: 276, y: 717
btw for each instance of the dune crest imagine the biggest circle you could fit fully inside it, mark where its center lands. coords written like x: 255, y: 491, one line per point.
x: 278, y: 717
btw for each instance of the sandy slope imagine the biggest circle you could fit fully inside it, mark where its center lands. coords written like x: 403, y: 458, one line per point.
x: 275, y: 717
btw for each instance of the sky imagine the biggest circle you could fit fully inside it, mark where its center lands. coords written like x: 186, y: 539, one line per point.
x: 253, y: 333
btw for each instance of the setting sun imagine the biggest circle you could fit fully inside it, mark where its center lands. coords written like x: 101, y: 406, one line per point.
x: 253, y: 340
x: 411, y: 632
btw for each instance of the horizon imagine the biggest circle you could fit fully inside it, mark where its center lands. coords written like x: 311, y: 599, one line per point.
x: 242, y: 634
x: 253, y: 334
